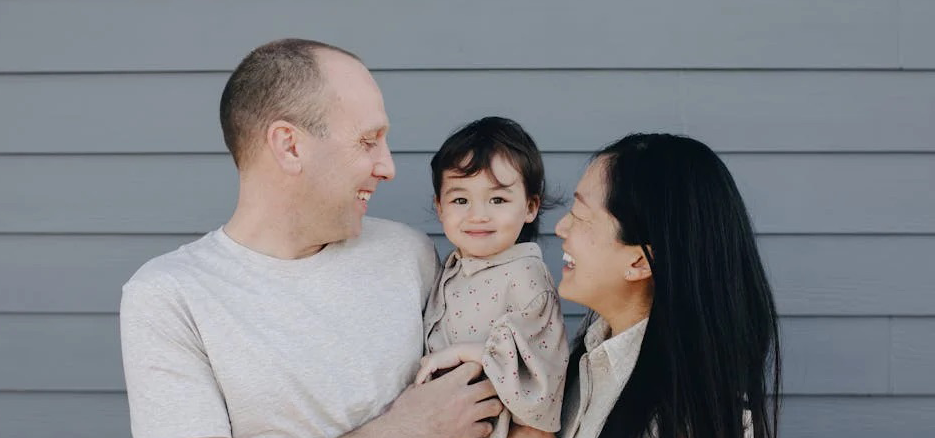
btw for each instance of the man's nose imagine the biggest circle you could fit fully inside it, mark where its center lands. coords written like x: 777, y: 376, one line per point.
x: 384, y: 168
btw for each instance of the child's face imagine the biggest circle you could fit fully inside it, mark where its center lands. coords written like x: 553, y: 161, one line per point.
x: 480, y: 216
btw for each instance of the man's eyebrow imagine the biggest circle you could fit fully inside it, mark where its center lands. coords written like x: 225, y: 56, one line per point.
x: 376, y: 129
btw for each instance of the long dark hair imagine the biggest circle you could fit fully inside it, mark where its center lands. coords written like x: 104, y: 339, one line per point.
x: 711, y: 346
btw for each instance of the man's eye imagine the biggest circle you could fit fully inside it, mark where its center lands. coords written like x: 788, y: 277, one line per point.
x: 497, y: 200
x: 369, y: 144
x: 459, y: 201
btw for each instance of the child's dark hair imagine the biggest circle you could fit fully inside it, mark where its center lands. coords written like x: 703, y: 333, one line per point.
x: 479, y: 142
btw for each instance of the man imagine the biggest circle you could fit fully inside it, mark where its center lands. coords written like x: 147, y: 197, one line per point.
x: 299, y: 317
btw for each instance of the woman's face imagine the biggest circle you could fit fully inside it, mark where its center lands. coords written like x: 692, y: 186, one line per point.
x: 596, y: 261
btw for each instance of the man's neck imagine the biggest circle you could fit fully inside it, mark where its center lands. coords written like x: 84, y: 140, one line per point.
x: 272, y: 228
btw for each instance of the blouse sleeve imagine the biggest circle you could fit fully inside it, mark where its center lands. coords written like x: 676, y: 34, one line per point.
x: 526, y: 353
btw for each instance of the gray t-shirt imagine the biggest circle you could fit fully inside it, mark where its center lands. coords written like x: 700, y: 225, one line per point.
x: 219, y: 340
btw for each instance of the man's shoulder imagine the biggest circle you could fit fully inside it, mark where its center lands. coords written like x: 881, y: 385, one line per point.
x: 164, y: 271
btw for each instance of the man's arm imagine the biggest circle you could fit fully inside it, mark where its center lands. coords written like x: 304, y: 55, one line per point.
x: 447, y: 407
x: 171, y: 387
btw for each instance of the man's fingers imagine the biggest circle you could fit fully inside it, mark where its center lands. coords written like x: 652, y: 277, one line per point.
x: 466, y: 372
x: 481, y: 429
x: 488, y: 408
x: 483, y: 389
x: 423, y: 375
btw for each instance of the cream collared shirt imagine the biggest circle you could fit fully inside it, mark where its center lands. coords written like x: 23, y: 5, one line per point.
x: 604, y: 370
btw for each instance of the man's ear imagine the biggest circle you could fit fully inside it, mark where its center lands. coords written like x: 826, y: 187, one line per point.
x: 532, y: 209
x: 638, y: 268
x: 281, y: 139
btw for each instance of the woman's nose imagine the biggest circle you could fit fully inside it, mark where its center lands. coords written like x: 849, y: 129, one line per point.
x: 560, y: 227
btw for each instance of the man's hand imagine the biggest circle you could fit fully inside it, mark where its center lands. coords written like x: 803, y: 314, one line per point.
x: 448, y: 358
x: 447, y: 407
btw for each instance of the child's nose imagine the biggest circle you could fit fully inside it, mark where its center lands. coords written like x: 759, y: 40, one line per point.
x: 479, y: 213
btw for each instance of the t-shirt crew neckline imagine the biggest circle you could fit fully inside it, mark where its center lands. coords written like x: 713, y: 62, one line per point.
x: 290, y: 266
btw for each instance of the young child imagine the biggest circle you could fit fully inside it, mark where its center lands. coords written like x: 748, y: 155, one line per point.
x: 495, y: 302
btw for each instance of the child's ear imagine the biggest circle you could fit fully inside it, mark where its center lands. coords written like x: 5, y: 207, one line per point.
x: 437, y: 205
x: 532, y: 209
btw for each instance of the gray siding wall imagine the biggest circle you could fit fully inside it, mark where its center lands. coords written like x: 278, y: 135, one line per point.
x: 110, y: 153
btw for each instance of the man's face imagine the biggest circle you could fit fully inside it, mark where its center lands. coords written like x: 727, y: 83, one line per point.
x: 343, y: 169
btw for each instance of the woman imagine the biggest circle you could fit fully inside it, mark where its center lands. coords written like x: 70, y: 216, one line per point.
x: 682, y: 339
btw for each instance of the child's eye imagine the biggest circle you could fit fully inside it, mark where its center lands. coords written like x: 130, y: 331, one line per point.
x: 497, y: 200
x: 459, y: 201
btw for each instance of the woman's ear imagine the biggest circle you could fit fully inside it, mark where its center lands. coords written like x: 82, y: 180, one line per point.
x: 532, y: 209
x: 639, y: 268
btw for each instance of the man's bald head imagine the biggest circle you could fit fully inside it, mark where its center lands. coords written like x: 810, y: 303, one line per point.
x: 281, y: 80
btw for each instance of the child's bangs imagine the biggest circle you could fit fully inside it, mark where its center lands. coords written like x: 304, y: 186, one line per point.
x: 470, y: 162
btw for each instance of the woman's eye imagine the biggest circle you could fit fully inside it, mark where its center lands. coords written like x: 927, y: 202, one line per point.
x: 459, y: 201
x: 497, y: 200
x: 369, y: 144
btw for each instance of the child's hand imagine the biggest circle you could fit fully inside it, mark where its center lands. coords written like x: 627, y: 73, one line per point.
x: 448, y: 358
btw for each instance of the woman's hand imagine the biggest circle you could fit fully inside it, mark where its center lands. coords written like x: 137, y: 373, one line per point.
x: 518, y: 431
x: 448, y: 358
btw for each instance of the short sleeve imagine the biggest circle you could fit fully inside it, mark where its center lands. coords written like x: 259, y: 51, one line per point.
x: 526, y: 353
x: 171, y: 387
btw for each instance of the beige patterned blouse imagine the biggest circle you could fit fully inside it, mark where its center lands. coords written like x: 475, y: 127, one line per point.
x: 508, y: 302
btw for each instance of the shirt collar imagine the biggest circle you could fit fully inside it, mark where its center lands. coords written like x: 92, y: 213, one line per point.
x: 622, y: 350
x: 473, y: 265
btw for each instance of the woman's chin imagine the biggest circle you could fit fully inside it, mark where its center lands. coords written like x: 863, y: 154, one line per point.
x: 564, y: 290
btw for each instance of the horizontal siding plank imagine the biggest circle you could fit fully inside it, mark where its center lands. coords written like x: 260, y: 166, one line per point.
x: 851, y: 275
x: 738, y: 111
x: 564, y: 110
x: 811, y: 111
x: 43, y: 415
x: 858, y: 417
x: 115, y: 113
x: 810, y: 275
x: 60, y: 352
x: 916, y: 34
x: 104, y: 36
x: 73, y: 415
x: 82, y: 352
x: 835, y: 355
x: 913, y: 356
x: 786, y: 193
x: 53, y: 273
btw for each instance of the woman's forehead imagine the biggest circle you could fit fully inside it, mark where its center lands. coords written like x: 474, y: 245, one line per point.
x: 591, y: 186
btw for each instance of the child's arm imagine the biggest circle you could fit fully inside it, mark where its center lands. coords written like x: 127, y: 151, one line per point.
x: 449, y: 358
